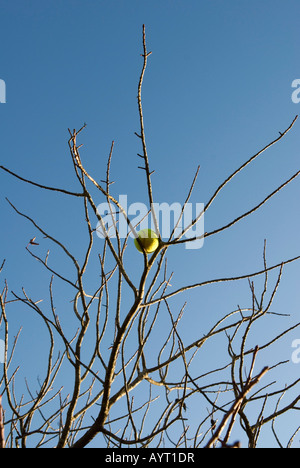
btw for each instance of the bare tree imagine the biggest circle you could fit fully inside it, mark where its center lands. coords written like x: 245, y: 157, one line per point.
x: 132, y: 380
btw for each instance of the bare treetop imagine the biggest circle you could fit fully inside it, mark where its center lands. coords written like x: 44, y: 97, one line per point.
x: 136, y: 383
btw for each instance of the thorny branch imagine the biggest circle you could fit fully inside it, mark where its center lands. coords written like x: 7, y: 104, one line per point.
x: 122, y: 373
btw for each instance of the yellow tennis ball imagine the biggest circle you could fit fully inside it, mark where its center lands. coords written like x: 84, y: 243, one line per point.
x: 148, y: 239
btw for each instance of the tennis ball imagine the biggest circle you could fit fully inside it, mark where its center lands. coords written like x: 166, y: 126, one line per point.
x: 148, y: 239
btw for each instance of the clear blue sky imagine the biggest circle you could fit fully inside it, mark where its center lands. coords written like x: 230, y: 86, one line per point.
x: 217, y: 89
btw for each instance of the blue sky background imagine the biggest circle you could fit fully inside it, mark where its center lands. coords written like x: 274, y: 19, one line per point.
x: 217, y: 89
